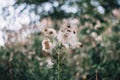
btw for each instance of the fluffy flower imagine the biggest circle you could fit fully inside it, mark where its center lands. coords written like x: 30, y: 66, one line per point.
x: 62, y: 37
x: 99, y: 38
x: 49, y: 32
x: 76, y: 45
x: 68, y: 37
x: 47, y: 45
x: 94, y: 34
x: 49, y: 62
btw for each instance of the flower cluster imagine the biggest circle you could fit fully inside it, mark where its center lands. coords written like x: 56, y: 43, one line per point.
x: 47, y: 43
x: 67, y: 36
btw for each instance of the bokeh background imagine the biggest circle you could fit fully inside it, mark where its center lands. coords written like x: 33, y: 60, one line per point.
x: 98, y: 23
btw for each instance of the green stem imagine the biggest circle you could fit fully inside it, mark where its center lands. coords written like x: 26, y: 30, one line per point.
x: 63, y: 58
x: 58, y: 66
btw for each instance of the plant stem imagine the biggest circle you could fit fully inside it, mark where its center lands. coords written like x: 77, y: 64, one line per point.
x: 96, y: 75
x: 58, y: 66
x: 63, y: 58
x: 58, y: 63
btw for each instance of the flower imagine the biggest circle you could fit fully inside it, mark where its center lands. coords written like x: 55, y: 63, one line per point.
x: 49, y: 62
x: 76, y: 45
x: 68, y: 37
x: 47, y: 45
x: 98, y: 24
x: 116, y: 13
x: 99, y: 38
x: 62, y: 37
x: 65, y: 46
x: 93, y: 35
x: 50, y: 32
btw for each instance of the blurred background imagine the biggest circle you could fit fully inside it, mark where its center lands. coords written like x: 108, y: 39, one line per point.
x: 98, y: 24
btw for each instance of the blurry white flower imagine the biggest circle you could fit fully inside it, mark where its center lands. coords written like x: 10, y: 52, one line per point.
x: 116, y: 13
x: 75, y: 57
x: 99, y: 38
x: 88, y: 31
x: 29, y: 57
x: 49, y: 62
x: 49, y: 32
x: 77, y: 74
x: 32, y: 53
x: 76, y: 45
x: 83, y: 55
x: 63, y: 38
x: 84, y: 77
x: 41, y: 64
x: 77, y: 63
x: 102, y: 44
x: 94, y: 34
x: 38, y: 58
x: 97, y: 25
x: 67, y: 37
x: 96, y: 37
x: 47, y: 45
x: 65, y: 46
x: 74, y: 21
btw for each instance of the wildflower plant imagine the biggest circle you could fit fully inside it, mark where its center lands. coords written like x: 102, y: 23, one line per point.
x: 54, y: 45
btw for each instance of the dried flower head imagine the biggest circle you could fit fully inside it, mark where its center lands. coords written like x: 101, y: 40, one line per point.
x: 67, y: 37
x: 47, y: 45
x: 49, y: 62
x: 49, y: 32
x: 93, y: 34
x: 76, y: 45
x: 98, y: 38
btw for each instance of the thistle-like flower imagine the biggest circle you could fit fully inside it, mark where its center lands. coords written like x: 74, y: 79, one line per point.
x: 68, y: 37
x: 76, y: 45
x: 49, y: 32
x: 49, y: 62
x: 47, y: 45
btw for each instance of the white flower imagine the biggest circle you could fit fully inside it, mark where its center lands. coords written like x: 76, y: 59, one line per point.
x: 49, y: 32
x: 63, y: 37
x: 76, y: 45
x: 94, y: 34
x: 97, y: 25
x: 47, y: 45
x: 41, y: 64
x: 67, y: 36
x: 38, y: 58
x: 49, y: 62
x: 65, y: 46
x: 116, y: 13
x: 99, y: 38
